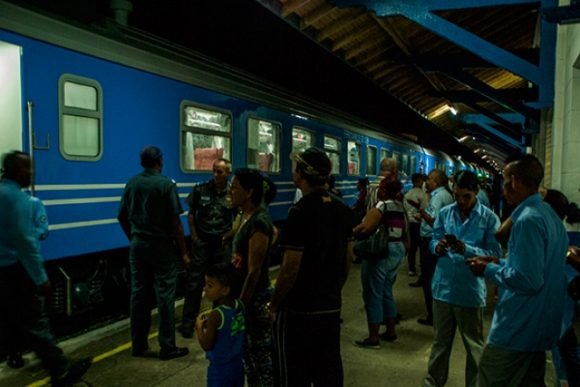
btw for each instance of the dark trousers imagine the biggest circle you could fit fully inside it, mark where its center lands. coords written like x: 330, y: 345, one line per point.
x: 414, y: 242
x: 153, y: 272
x: 23, y: 322
x: 204, y: 254
x: 569, y: 348
x: 428, y: 264
x: 307, y: 350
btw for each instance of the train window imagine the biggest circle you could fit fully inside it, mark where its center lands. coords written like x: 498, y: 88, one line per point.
x: 301, y: 139
x: 333, y: 148
x: 353, y: 158
x: 385, y: 154
x: 205, y: 137
x: 371, y: 160
x: 264, y: 145
x: 405, y: 166
x: 413, y: 168
x: 80, y: 118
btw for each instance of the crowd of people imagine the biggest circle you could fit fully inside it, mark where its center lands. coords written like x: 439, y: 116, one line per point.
x: 289, y: 334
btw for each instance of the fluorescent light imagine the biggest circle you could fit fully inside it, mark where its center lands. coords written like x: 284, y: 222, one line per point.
x: 453, y: 110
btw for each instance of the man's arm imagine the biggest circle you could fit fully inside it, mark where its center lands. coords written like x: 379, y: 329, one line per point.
x: 180, y: 240
x: 524, y: 271
x: 27, y: 246
x: 291, y: 262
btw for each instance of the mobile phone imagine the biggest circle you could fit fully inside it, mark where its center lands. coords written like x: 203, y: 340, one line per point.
x: 451, y: 239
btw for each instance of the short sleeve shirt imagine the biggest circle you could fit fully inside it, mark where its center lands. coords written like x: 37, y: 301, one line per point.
x: 213, y: 211
x: 150, y: 201
x: 259, y: 222
x: 320, y: 225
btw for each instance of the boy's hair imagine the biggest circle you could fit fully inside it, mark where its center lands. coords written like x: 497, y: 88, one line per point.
x: 223, y: 272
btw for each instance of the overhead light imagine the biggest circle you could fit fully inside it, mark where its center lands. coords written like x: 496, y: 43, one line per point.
x: 484, y: 157
x: 463, y: 138
x: 453, y: 110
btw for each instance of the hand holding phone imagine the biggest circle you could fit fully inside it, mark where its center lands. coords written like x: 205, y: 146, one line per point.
x: 450, y: 239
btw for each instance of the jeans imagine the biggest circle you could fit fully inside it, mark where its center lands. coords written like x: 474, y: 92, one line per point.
x: 378, y: 278
x: 23, y: 322
x: 204, y: 253
x: 153, y: 271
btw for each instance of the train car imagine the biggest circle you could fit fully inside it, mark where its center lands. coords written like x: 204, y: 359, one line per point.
x: 83, y: 102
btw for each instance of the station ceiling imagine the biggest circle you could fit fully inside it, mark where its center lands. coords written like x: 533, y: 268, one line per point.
x: 471, y: 78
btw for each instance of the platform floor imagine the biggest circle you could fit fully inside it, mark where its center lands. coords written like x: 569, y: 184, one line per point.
x: 402, y: 363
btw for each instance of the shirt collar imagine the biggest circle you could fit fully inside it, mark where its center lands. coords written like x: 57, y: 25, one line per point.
x: 529, y: 201
x: 8, y: 181
x: 477, y: 210
x: 437, y: 190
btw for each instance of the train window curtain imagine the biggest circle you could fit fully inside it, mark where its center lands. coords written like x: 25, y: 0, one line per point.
x: 205, y: 137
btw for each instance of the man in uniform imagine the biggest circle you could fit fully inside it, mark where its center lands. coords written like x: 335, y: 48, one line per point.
x: 317, y: 243
x: 23, y: 279
x: 149, y: 215
x: 210, y: 217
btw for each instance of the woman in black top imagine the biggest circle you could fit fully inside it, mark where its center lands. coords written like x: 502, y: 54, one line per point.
x: 251, y: 247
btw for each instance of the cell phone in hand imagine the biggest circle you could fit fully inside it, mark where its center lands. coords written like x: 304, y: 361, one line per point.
x: 451, y: 239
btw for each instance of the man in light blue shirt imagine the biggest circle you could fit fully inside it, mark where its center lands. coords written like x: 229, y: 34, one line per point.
x: 462, y: 230
x: 22, y: 276
x: 439, y: 198
x: 527, y: 318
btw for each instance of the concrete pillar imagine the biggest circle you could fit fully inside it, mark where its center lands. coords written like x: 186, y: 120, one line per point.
x: 565, y: 174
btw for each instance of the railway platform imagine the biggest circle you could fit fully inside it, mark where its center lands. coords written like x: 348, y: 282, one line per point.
x: 399, y: 364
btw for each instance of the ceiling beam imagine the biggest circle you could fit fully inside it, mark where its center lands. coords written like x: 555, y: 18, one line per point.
x: 348, y: 38
x: 290, y: 6
x: 342, y: 22
x: 509, y: 129
x: 314, y: 16
x: 528, y: 94
x: 487, y: 91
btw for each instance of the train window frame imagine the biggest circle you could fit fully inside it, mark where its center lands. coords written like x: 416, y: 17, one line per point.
x: 388, y: 154
x: 369, y: 147
x: 79, y: 112
x: 337, y: 152
x: 198, y: 130
x: 277, y: 160
x: 310, y: 132
x: 350, y: 145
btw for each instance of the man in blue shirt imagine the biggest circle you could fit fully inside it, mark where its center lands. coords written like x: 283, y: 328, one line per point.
x: 462, y: 230
x: 149, y: 216
x: 23, y: 279
x: 440, y: 197
x: 527, y: 318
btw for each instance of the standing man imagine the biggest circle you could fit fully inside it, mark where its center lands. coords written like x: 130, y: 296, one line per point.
x: 464, y: 229
x: 317, y: 243
x: 23, y: 279
x: 210, y: 218
x: 440, y: 197
x: 531, y: 281
x: 417, y: 196
x: 149, y: 215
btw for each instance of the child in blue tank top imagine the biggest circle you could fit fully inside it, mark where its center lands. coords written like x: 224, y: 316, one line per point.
x: 221, y: 330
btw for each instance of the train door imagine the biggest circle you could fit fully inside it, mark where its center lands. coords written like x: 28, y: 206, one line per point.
x: 10, y: 98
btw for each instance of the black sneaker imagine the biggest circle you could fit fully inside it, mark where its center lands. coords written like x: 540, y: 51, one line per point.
x: 186, y: 332
x: 425, y: 321
x: 173, y: 353
x: 15, y: 360
x: 74, y: 373
x: 389, y: 338
x: 366, y: 343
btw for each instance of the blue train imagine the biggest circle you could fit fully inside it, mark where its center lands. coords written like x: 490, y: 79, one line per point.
x: 84, y: 102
